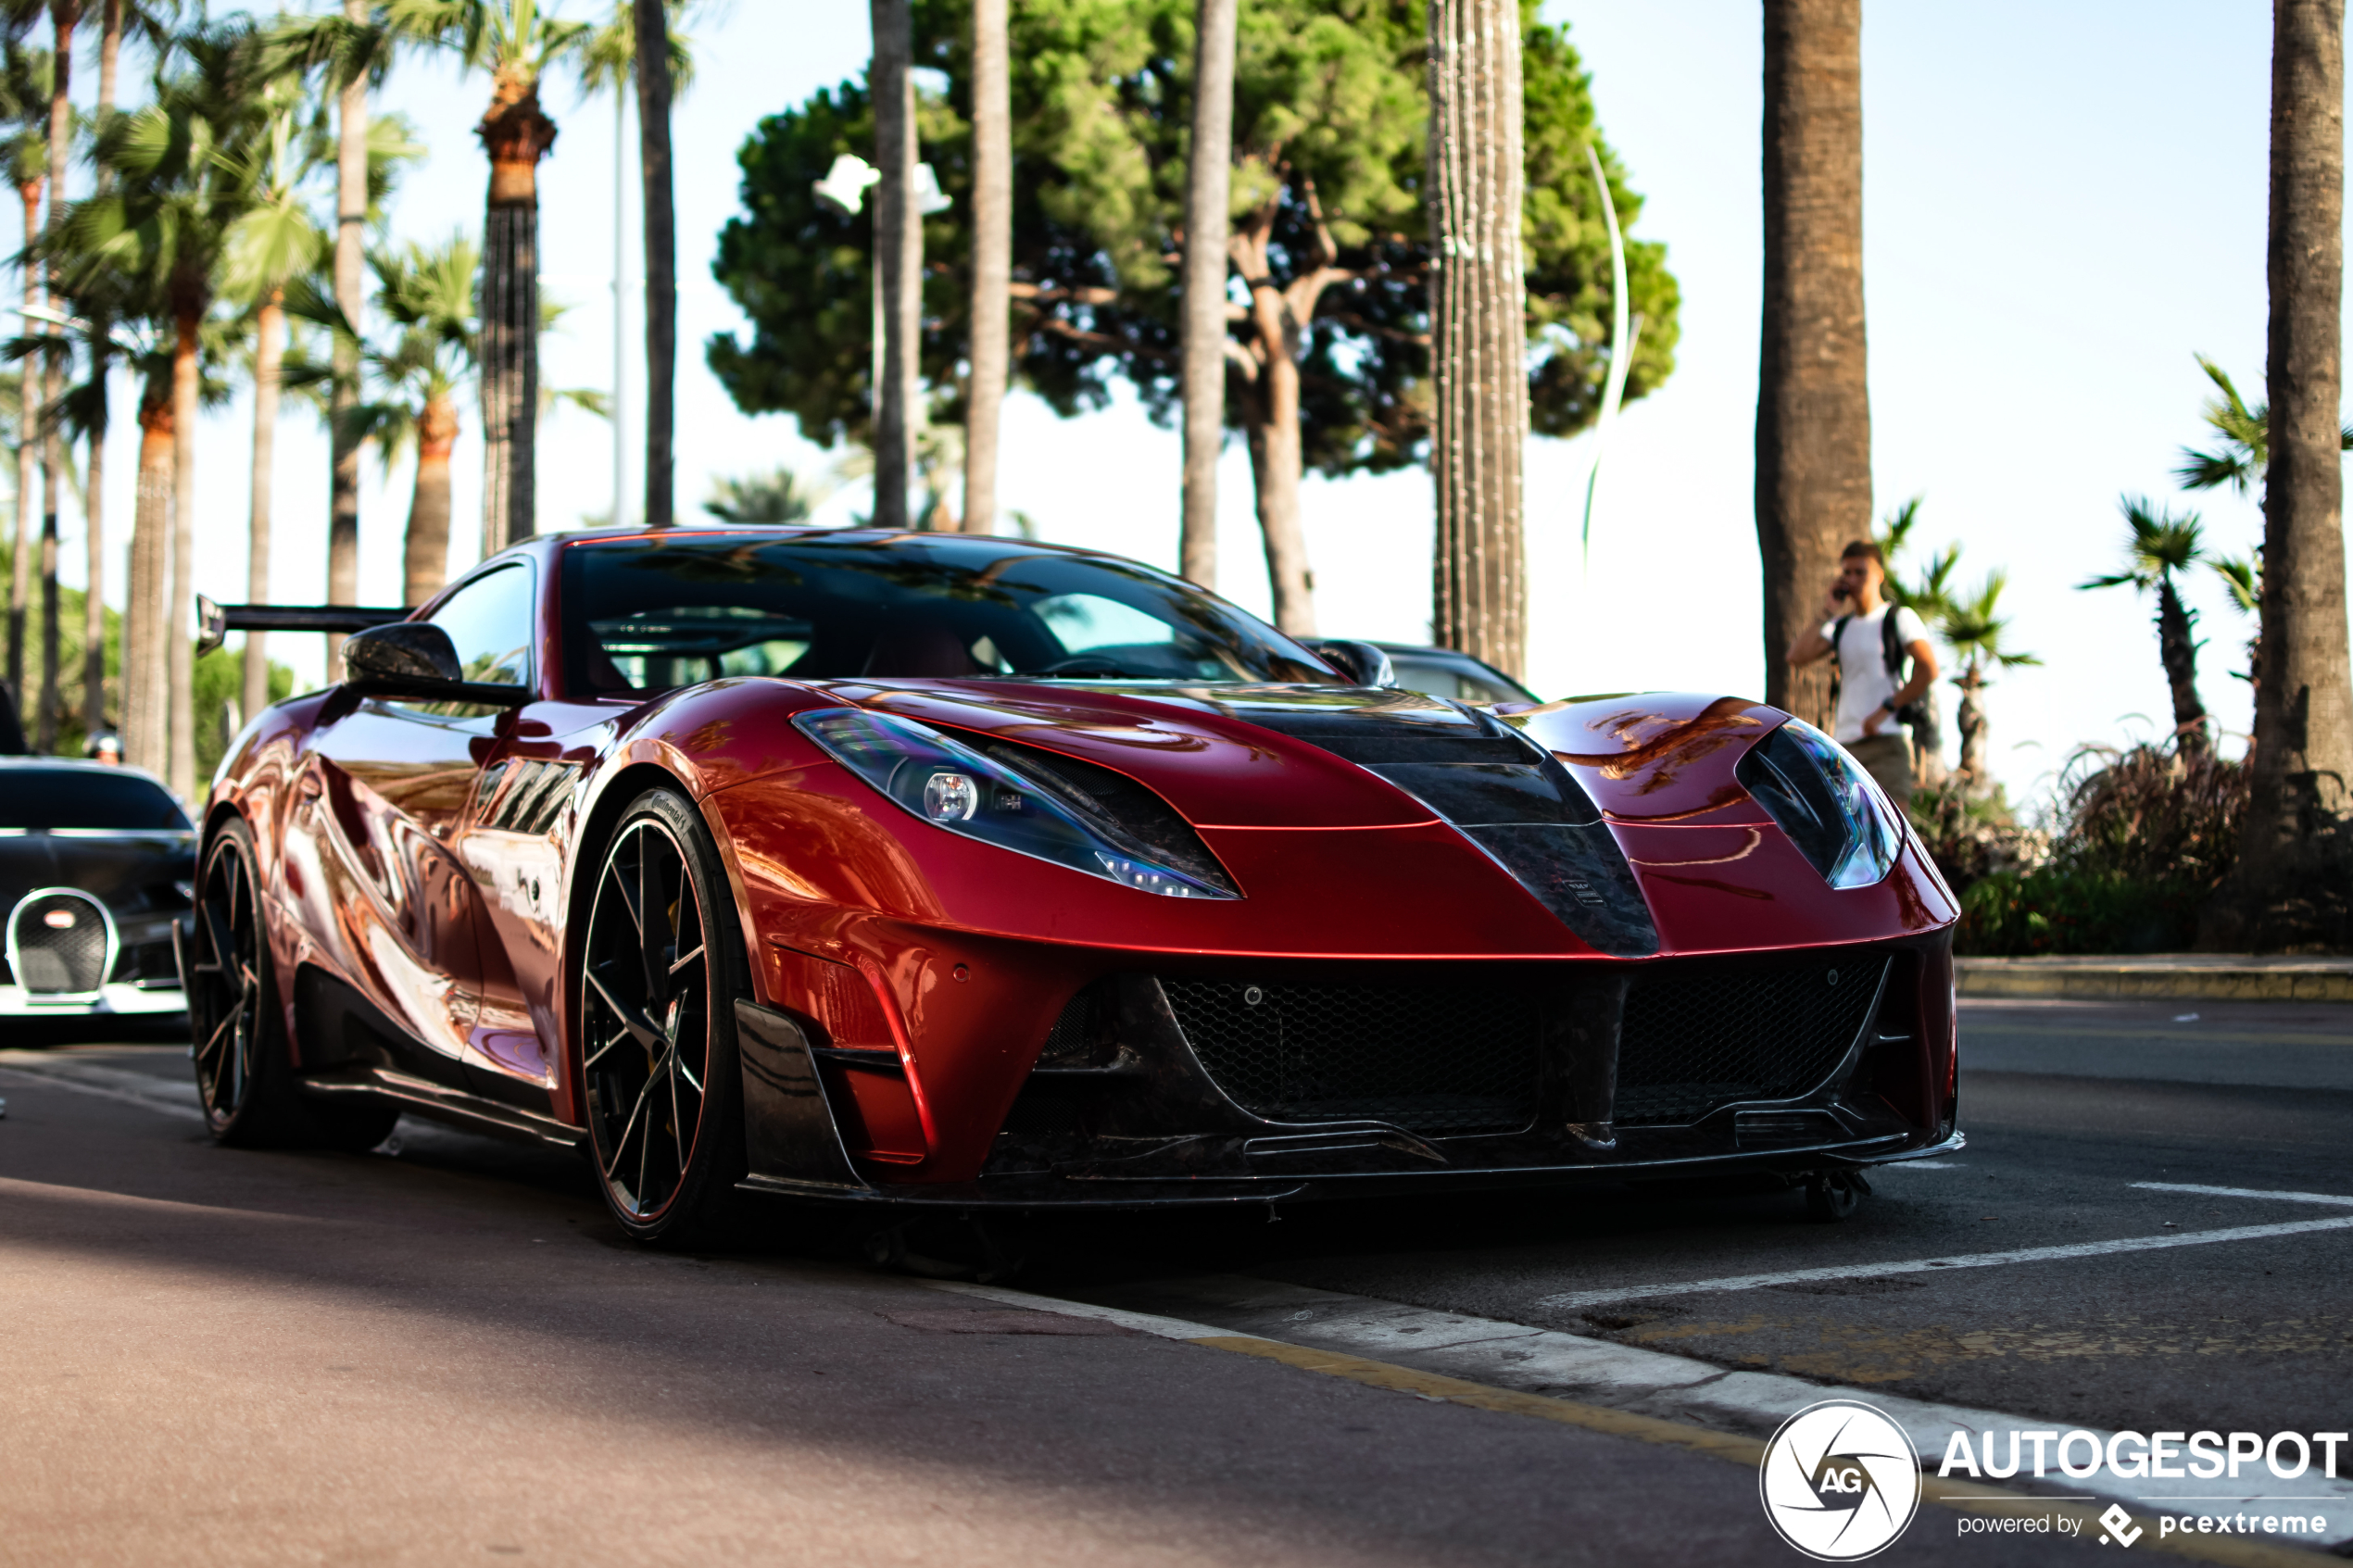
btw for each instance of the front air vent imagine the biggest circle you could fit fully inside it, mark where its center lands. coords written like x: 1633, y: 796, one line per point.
x: 61, y: 943
x: 1700, y: 1034
x: 1434, y: 1061
x: 533, y: 799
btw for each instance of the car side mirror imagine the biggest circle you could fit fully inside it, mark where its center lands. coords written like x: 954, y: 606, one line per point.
x: 416, y: 659
x: 1361, y: 663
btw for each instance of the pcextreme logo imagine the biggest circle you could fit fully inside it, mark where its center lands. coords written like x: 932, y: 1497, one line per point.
x: 1840, y: 1481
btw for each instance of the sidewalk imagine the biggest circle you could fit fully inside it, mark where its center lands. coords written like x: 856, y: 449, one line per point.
x: 2218, y: 977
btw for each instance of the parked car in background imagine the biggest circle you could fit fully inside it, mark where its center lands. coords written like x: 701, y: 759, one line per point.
x: 96, y: 863
x: 1455, y: 676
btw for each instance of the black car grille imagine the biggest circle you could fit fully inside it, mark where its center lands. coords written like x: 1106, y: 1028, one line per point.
x: 1462, y: 1059
x: 67, y: 958
x: 1703, y: 1036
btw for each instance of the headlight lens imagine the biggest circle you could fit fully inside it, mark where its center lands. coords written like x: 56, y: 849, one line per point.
x: 1825, y: 802
x: 952, y: 787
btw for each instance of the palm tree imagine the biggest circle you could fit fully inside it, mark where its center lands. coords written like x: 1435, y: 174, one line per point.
x: 2242, y: 580
x: 608, y: 60
x: 167, y: 225
x: 1479, y: 311
x: 24, y: 102
x: 2159, y: 546
x: 352, y: 50
x: 1978, y: 633
x: 2288, y: 885
x: 428, y: 294
x: 898, y: 256
x: 1813, y: 404
x: 516, y: 42
x: 2244, y: 448
x: 777, y: 496
x: 272, y: 243
x: 992, y: 215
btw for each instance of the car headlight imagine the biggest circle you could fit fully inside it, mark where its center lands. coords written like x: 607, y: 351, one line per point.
x: 1825, y: 802
x: 955, y: 787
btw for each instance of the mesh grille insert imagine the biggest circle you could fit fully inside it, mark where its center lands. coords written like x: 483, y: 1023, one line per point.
x: 1701, y: 1037
x: 61, y: 943
x: 1463, y: 1059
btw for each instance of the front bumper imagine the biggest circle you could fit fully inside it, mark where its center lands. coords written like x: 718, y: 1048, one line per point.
x: 131, y: 1000
x: 1148, y: 1095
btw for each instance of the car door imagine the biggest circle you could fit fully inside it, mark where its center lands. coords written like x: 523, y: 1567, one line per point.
x: 387, y: 792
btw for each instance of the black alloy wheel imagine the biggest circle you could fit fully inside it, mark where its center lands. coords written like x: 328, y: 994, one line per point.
x: 244, y: 1074
x: 660, y: 969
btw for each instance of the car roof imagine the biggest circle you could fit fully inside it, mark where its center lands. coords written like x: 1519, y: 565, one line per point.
x: 76, y: 765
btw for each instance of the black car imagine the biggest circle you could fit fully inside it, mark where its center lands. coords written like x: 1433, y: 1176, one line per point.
x: 1457, y: 676
x: 96, y: 864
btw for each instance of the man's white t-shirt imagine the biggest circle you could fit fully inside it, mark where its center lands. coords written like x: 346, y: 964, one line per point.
x: 1864, y: 683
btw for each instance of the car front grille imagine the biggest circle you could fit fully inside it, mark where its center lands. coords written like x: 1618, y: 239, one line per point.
x: 1704, y: 1035
x: 1435, y: 1060
x: 58, y: 943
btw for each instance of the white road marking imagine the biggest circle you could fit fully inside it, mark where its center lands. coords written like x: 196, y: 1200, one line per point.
x: 2328, y: 1198
x: 1576, y: 1299
x: 1570, y: 1366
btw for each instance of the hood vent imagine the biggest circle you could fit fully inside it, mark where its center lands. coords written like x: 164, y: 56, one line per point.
x: 1503, y: 793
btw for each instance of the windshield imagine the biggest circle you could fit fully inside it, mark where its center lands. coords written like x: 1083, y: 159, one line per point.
x: 86, y: 797
x: 672, y: 612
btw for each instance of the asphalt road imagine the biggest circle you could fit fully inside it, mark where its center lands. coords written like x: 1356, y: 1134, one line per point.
x: 2069, y: 1109
x: 443, y: 1351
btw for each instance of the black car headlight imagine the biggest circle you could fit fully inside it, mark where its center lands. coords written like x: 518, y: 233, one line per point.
x: 1824, y: 801
x: 955, y: 787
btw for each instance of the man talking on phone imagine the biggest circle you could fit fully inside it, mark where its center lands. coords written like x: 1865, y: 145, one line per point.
x: 1873, y: 640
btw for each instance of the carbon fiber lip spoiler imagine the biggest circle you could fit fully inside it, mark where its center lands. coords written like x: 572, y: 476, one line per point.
x: 215, y: 621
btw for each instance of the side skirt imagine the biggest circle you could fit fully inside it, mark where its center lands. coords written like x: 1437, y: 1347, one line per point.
x: 439, y: 1103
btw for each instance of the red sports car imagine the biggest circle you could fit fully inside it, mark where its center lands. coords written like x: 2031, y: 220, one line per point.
x: 922, y: 869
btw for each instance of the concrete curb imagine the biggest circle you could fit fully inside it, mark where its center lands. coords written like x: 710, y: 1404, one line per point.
x: 2160, y: 976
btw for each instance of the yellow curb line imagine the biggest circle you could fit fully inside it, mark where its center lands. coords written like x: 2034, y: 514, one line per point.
x: 1723, y: 1444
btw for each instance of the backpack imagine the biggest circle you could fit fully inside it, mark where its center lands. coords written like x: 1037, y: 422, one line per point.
x: 1910, y: 715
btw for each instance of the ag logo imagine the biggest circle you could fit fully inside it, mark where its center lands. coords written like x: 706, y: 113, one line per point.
x: 1840, y: 1481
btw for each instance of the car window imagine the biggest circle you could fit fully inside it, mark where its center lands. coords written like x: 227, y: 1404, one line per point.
x: 696, y: 607
x: 45, y: 800
x: 1443, y: 678
x: 489, y: 623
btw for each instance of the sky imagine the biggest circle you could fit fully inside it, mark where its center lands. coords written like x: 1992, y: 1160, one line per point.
x: 2062, y: 205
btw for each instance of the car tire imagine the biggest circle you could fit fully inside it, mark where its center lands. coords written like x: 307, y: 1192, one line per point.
x: 659, y: 973
x: 245, y: 1076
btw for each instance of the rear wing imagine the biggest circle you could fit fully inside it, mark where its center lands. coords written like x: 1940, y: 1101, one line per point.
x: 215, y: 621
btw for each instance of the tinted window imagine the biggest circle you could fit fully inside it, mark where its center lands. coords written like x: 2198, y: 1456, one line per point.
x: 670, y: 612
x: 1444, y: 678
x: 77, y: 797
x: 489, y: 621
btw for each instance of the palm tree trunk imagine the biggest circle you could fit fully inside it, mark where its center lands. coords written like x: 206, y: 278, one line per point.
x: 426, y: 561
x: 2178, y: 651
x: 269, y: 343
x: 65, y: 17
x: 1970, y: 721
x: 661, y: 261
x: 1479, y: 309
x: 1209, y: 179
x: 180, y: 651
x: 28, y: 459
x: 145, y: 713
x: 2287, y: 888
x: 898, y: 257
x: 1813, y: 404
x: 1928, y: 741
x: 93, y: 598
x: 993, y: 269
x: 351, y: 297
x: 1273, y: 412
x: 517, y: 135
x: 51, y: 488
x: 94, y: 602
